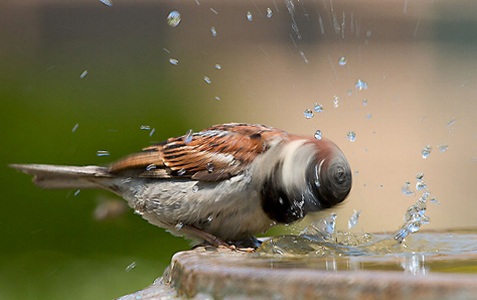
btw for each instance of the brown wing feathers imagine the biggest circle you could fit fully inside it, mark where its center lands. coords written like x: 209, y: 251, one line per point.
x: 216, y: 153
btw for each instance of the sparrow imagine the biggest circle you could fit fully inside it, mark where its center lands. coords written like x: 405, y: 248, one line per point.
x: 223, y: 184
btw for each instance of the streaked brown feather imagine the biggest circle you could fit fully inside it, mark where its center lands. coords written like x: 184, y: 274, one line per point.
x: 216, y: 153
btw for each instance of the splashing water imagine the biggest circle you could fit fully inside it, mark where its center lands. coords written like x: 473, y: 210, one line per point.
x: 107, y: 2
x: 406, y: 189
x: 174, y: 18
x: 342, y: 61
x: 336, y: 101
x: 308, y: 113
x: 426, y: 151
x: 361, y: 85
x: 174, y: 61
x: 187, y: 137
x: 269, y: 12
x: 207, y: 79
x: 353, y: 220
x: 218, y: 66
x: 213, y: 31
x: 249, y: 16
x: 443, y: 147
x: 102, y: 153
x: 351, y: 136
x: 321, y: 239
x: 318, y: 107
x: 318, y: 134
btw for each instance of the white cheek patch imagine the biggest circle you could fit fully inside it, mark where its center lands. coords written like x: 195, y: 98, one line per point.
x: 297, y: 156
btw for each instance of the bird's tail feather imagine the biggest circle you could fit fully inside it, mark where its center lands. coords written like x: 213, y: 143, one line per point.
x: 64, y: 177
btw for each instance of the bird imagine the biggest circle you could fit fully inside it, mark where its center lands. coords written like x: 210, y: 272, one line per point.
x: 222, y: 185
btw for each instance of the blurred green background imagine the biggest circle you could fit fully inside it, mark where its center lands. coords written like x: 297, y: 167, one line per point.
x: 418, y: 59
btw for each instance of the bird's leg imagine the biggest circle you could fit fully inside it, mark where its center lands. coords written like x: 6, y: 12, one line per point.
x: 210, y: 238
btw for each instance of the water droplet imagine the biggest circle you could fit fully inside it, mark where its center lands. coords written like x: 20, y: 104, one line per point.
x: 420, y: 185
x: 174, y: 61
x: 426, y: 151
x: 213, y: 31
x: 210, y: 167
x: 181, y: 172
x: 75, y: 127
x: 318, y: 134
x: 451, y: 122
x: 152, y: 131
x: 351, y: 136
x: 269, y: 12
x: 210, y: 218
x: 342, y: 61
x: 365, y: 102
x: 368, y: 116
x: 356, y: 172
x: 131, y: 266
x: 102, y: 153
x: 304, y: 57
x: 406, y: 189
x: 361, y: 85
x: 187, y: 138
x: 353, y: 221
x: 308, y: 113
x: 179, y: 226
x: 174, y: 18
x: 214, y: 11
x: 368, y: 33
x: 145, y: 127
x: 419, y: 176
x: 443, y: 147
x: 77, y: 192
x: 150, y: 167
x: 83, y: 75
x: 207, y: 79
x: 249, y: 16
x: 218, y: 66
x: 336, y: 101
x: 318, y: 107
x: 195, y: 189
x: 350, y: 92
x: 217, y: 98
x: 126, y: 180
x: 107, y: 2
x: 434, y: 200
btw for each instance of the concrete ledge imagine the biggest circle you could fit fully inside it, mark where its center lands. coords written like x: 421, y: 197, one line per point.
x: 223, y: 274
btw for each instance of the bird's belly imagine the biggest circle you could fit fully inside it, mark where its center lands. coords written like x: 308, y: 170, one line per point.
x: 229, y: 209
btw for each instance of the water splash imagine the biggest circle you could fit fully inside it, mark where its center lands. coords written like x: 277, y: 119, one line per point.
x: 353, y: 220
x: 308, y: 113
x: 249, y: 16
x: 107, y: 2
x: 131, y: 266
x: 406, y: 189
x: 218, y: 66
x: 269, y: 12
x: 213, y: 31
x: 342, y: 61
x: 426, y: 151
x: 174, y: 61
x: 83, y: 75
x: 318, y: 107
x: 317, y: 134
x: 336, y: 101
x: 207, y: 80
x: 102, y: 153
x: 443, y: 147
x: 174, y: 18
x: 187, y: 138
x: 361, y: 85
x: 351, y: 135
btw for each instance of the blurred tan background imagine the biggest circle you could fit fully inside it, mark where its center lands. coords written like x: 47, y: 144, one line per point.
x: 418, y: 59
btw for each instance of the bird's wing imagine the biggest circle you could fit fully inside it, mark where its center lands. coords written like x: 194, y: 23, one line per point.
x: 213, y: 154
